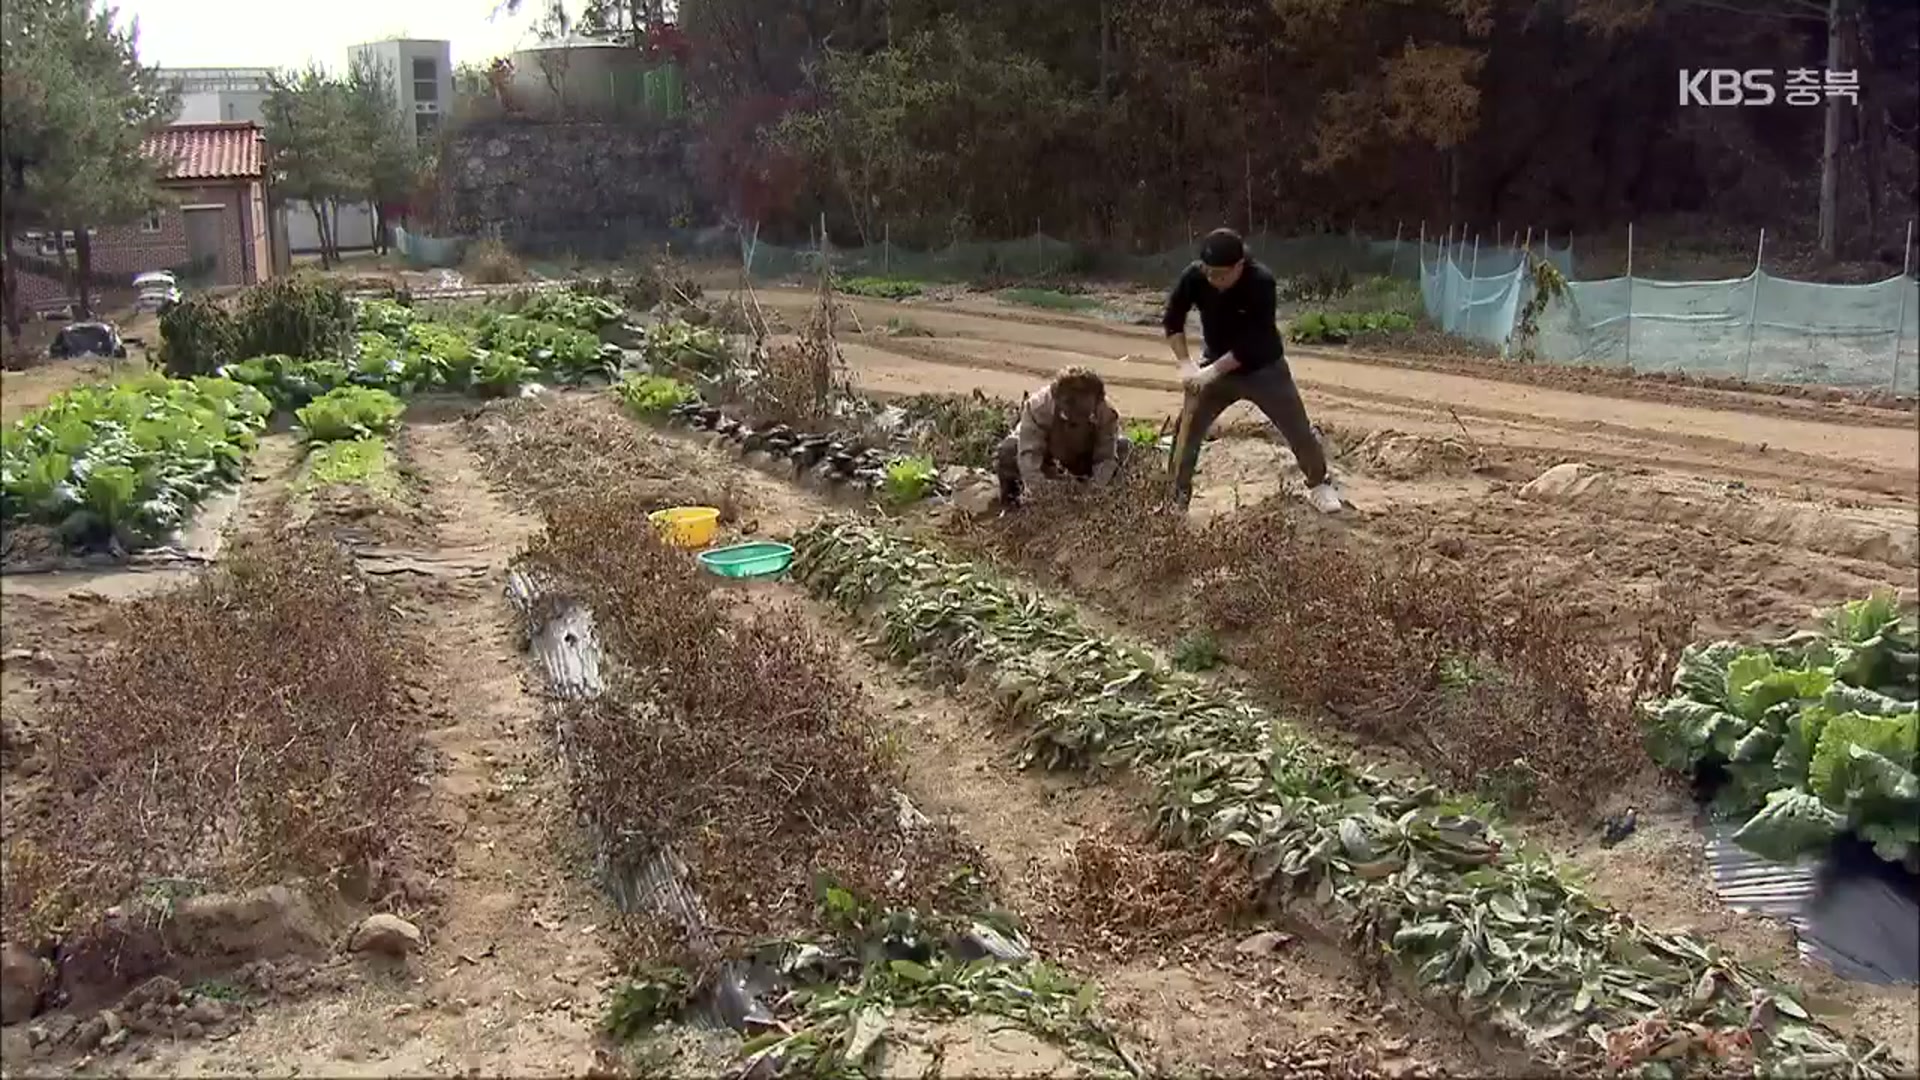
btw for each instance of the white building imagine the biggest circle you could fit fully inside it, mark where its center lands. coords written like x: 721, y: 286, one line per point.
x: 219, y: 95
x: 421, y: 75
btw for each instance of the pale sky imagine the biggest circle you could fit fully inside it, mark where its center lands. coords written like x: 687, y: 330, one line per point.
x: 283, y: 34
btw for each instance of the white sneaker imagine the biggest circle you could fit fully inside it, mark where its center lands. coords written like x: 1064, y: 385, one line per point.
x: 1325, y: 498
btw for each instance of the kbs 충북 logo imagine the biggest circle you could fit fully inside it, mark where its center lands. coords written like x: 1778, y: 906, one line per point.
x: 1758, y: 86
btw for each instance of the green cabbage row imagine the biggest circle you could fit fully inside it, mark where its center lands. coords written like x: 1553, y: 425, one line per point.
x: 126, y: 463
x: 1815, y: 735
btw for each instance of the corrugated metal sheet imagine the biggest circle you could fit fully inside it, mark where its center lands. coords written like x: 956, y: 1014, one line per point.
x: 1752, y: 885
x: 1856, y: 924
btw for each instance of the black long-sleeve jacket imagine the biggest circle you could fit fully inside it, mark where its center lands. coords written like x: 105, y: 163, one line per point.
x: 1240, y: 319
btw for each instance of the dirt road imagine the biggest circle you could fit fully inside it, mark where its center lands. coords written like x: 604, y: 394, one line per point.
x: 1830, y: 451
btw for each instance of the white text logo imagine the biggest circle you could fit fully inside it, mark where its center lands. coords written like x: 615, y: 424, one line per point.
x: 1757, y: 86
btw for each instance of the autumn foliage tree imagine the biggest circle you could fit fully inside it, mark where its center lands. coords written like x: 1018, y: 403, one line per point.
x: 1135, y: 122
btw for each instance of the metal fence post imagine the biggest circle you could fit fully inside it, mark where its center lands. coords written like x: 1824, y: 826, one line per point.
x: 886, y: 249
x: 1900, y: 322
x: 1629, y: 296
x: 1473, y: 271
x: 1393, y: 263
x: 1753, y: 310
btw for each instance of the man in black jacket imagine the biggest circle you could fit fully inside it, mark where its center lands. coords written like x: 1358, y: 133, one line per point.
x: 1242, y: 360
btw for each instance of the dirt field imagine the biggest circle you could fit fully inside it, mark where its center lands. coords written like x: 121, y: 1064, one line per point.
x: 1762, y: 505
x: 1757, y: 507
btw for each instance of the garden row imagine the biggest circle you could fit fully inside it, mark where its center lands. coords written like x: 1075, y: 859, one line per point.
x: 1427, y: 880
x: 808, y: 902
x: 123, y: 466
x: 896, y: 454
x: 247, y: 731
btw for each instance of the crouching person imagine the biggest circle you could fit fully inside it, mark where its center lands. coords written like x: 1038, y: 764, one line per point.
x: 1065, y: 430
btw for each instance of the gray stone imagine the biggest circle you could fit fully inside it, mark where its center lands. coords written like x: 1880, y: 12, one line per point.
x: 1265, y: 943
x: 388, y: 935
x: 22, y: 979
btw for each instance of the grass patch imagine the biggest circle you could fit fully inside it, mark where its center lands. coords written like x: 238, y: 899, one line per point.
x: 1050, y: 299
x: 901, y: 326
x: 1197, y: 651
x: 882, y: 288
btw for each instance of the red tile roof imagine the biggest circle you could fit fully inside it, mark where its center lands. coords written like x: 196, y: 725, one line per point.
x: 228, y: 151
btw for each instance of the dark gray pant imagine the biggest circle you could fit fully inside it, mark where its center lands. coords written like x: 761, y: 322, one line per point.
x: 1006, y: 466
x: 1272, y: 391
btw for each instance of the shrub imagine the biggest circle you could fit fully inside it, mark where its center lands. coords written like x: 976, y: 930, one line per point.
x: 1320, y: 285
x: 300, y: 316
x: 198, y: 337
x: 490, y: 262
x: 351, y: 412
x: 678, y: 344
x: 959, y: 430
x: 1051, y: 299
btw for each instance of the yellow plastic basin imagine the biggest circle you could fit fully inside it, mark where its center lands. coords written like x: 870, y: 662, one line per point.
x: 687, y: 527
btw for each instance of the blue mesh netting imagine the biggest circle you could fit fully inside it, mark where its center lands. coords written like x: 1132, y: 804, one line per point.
x: 1760, y: 327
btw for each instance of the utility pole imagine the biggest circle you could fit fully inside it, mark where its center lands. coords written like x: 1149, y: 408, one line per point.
x: 1830, y: 146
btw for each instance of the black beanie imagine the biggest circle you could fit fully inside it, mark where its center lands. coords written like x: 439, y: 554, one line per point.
x: 1222, y: 248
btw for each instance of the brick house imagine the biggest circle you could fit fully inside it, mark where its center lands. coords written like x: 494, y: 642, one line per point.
x: 212, y: 229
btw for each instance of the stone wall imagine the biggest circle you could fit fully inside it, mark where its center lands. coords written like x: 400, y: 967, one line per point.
x: 564, y: 184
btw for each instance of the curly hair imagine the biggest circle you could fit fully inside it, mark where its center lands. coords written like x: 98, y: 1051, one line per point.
x: 1079, y: 382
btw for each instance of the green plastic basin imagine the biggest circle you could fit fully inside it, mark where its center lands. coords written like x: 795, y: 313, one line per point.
x: 763, y: 558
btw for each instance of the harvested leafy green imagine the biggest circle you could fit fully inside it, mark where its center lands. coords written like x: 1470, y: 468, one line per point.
x: 852, y: 983
x: 1816, y: 734
x: 653, y: 395
x: 351, y: 412
x: 127, y: 462
x: 1424, y: 879
x: 907, y: 480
